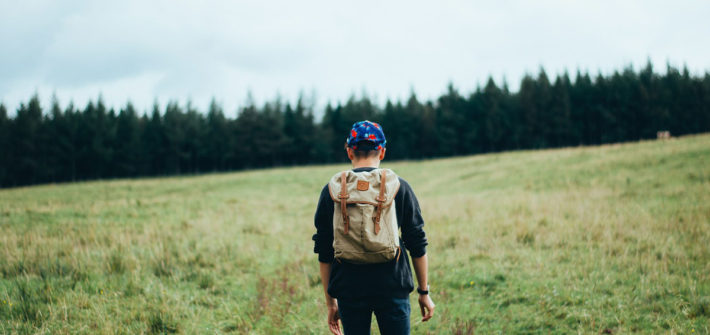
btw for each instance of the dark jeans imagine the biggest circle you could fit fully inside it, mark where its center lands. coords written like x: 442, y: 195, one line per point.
x: 392, y: 315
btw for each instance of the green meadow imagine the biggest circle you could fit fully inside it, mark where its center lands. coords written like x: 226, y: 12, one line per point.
x: 592, y: 240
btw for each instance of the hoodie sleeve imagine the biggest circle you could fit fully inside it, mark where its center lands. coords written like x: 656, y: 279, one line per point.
x: 323, y: 220
x: 411, y: 223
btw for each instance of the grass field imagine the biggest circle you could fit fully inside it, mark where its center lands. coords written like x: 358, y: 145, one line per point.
x: 597, y: 240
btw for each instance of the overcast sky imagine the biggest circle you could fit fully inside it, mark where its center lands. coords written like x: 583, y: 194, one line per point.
x: 147, y: 50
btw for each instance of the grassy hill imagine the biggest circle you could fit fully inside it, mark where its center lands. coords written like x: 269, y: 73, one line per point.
x: 611, y: 239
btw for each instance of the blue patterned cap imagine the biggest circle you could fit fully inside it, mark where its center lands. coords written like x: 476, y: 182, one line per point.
x: 367, y: 131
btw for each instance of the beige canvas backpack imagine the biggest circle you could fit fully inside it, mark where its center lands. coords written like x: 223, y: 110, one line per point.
x: 364, y: 219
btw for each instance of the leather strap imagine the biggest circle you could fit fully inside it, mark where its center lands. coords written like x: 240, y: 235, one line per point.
x: 380, y: 200
x: 343, y: 196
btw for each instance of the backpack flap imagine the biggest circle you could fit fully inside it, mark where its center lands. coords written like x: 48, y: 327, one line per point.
x: 364, y: 187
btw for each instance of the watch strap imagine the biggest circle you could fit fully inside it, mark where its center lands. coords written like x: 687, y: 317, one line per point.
x: 423, y: 292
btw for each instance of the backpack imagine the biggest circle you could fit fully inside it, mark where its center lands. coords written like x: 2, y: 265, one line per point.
x: 365, y: 226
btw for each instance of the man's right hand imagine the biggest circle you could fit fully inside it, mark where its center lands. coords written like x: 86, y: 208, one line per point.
x: 333, y: 318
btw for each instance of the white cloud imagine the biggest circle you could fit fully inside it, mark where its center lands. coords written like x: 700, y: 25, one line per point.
x: 163, y: 50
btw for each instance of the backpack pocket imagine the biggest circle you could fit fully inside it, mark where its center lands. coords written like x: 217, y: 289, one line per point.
x: 361, y: 244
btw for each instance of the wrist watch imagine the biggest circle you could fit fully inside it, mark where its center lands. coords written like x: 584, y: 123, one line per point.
x: 423, y: 292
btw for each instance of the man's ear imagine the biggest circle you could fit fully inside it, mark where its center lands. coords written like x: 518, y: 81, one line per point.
x: 382, y: 154
x: 351, y: 153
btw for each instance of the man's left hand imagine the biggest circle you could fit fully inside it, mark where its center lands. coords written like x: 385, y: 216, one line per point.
x: 427, y: 306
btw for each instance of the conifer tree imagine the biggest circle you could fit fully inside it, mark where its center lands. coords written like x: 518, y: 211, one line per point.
x: 154, y: 143
x: 5, y: 156
x: 217, y: 138
x: 174, y: 138
x: 25, y: 141
x: 193, y: 147
x: 561, y: 132
x: 452, y: 123
x: 128, y: 152
x: 53, y: 144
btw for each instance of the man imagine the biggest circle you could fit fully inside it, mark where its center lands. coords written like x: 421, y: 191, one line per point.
x: 353, y: 290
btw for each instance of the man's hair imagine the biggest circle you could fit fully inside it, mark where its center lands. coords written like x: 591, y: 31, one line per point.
x: 365, y: 149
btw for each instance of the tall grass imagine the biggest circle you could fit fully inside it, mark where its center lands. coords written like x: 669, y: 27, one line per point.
x: 594, y: 240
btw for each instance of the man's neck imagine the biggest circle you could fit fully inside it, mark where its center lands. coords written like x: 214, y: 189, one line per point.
x: 366, y: 163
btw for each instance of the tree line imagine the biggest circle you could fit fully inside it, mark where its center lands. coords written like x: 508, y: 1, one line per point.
x: 73, y: 143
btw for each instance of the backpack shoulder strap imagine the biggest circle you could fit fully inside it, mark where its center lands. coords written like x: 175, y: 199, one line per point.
x: 343, y: 202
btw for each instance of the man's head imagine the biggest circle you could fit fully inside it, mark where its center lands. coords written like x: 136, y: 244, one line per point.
x: 366, y: 143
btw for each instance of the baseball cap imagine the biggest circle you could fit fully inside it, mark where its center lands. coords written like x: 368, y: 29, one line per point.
x: 367, y: 131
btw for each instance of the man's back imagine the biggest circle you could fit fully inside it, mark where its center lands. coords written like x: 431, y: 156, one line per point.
x: 384, y: 279
x: 354, y: 291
